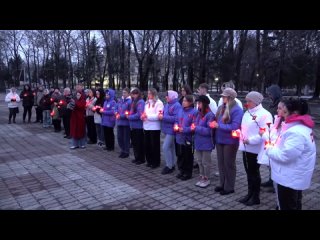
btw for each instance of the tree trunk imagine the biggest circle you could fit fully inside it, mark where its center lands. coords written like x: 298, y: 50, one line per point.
x: 122, y: 59
x: 241, y: 45
x: 317, y: 89
x: 166, y: 77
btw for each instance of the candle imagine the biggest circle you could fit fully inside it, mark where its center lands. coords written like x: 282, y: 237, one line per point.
x: 25, y: 95
x: 176, y: 127
x: 126, y: 113
x: 94, y: 108
x: 51, y: 99
x: 52, y: 113
x: 101, y: 109
x: 235, y: 133
x: 60, y: 102
x: 193, y: 126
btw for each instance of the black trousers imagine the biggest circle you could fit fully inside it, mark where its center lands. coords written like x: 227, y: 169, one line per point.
x: 109, y: 137
x: 137, y: 139
x: 289, y: 199
x: 12, y: 113
x: 184, y: 159
x: 56, y: 124
x: 66, y: 123
x: 25, y: 110
x: 152, y: 146
x: 252, y: 168
x: 91, y: 129
x: 38, y: 114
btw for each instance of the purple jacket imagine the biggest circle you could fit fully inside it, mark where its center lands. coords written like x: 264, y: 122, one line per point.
x: 184, y: 119
x: 223, y: 132
x: 203, y: 133
x: 109, y: 108
x: 135, y: 114
x: 170, y: 112
x: 123, y: 106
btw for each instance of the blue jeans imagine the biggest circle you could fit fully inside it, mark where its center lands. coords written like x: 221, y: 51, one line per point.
x: 123, y: 135
x: 78, y: 142
x: 169, y: 150
x: 46, y: 118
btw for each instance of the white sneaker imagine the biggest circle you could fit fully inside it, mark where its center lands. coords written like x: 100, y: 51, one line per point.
x: 204, y: 183
x: 200, y: 181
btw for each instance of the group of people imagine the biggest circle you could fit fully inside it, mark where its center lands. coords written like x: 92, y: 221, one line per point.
x: 280, y: 137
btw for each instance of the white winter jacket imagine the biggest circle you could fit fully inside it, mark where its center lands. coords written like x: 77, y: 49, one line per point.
x: 293, y: 157
x: 250, y: 128
x: 152, y: 109
x: 10, y: 96
x: 274, y: 135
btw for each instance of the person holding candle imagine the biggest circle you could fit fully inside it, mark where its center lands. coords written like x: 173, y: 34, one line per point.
x: 27, y: 98
x: 100, y: 95
x: 78, y: 122
x: 13, y: 99
x: 136, y: 125
x: 254, y: 118
x: 91, y: 127
x: 182, y: 128
x: 123, y: 127
x: 151, y: 126
x: 228, y: 119
x: 64, y: 112
x: 270, y: 135
x: 109, y: 118
x: 275, y: 95
x: 167, y: 118
x: 293, y: 156
x: 203, y: 139
x: 45, y: 104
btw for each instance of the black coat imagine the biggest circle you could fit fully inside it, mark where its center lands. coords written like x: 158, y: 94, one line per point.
x: 27, y: 98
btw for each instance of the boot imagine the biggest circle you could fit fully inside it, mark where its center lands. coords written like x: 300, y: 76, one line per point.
x: 254, y: 200
x: 250, y: 192
x: 246, y: 197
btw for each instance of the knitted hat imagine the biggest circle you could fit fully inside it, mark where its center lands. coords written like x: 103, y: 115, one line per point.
x: 255, y: 97
x: 229, y: 92
x: 172, y: 94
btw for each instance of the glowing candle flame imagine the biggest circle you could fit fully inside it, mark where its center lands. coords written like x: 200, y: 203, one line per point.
x: 193, y: 126
x: 176, y: 127
x: 235, y: 133
x: 52, y: 113
x: 126, y: 113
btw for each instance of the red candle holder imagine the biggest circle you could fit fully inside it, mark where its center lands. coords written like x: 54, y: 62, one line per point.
x: 235, y: 133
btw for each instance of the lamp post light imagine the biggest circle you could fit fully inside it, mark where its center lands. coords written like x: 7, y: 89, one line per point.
x: 216, y: 79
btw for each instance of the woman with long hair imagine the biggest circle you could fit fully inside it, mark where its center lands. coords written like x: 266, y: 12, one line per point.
x: 228, y: 119
x: 151, y: 126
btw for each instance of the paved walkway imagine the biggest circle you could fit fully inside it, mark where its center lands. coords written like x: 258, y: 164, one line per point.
x: 39, y: 171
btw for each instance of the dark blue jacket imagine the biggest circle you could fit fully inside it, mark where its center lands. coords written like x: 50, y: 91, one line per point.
x: 135, y: 114
x: 123, y: 106
x: 170, y: 112
x: 203, y: 133
x: 224, y: 131
x: 109, y: 108
x: 184, y: 119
